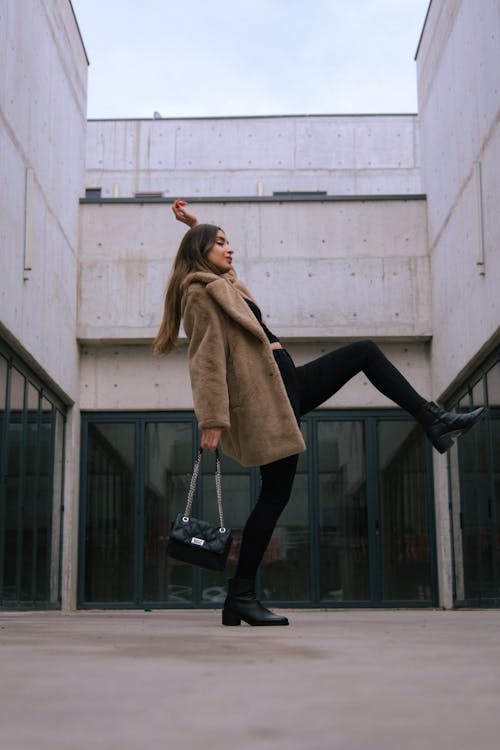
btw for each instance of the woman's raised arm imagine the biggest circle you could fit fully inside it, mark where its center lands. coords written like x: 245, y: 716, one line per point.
x: 182, y: 215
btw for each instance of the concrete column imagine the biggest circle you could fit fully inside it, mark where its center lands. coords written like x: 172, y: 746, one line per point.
x: 443, y: 531
x: 71, y: 512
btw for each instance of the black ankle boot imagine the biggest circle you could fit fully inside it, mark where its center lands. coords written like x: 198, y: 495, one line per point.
x: 242, y: 604
x: 442, y: 426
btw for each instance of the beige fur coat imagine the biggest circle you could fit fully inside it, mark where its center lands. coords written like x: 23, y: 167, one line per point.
x: 235, y: 380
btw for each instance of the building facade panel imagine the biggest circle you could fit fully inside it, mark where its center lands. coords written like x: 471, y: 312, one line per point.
x: 43, y: 135
x: 116, y: 377
x: 459, y: 97
x: 459, y: 104
x: 341, y: 282
x: 339, y: 155
x: 460, y: 138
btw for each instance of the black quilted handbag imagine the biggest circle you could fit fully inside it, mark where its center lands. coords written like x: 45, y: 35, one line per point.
x: 199, y: 542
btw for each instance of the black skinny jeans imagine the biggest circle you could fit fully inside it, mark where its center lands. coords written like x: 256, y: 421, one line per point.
x: 309, y: 386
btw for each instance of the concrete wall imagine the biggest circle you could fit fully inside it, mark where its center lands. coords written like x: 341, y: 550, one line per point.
x: 42, y: 128
x: 459, y: 103
x: 121, y: 378
x: 322, y: 271
x: 331, y: 270
x: 459, y: 111
x: 342, y: 155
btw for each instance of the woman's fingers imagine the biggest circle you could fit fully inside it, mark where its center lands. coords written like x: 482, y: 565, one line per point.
x: 182, y: 215
x: 210, y: 438
x: 178, y: 207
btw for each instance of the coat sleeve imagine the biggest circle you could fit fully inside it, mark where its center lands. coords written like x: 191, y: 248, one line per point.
x: 207, y: 359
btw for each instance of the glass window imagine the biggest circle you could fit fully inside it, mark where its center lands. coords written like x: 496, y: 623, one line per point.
x: 55, y: 494
x: 3, y: 384
x: 493, y: 379
x: 3, y: 467
x: 323, y: 545
x: 478, y: 394
x: 110, y: 513
x: 14, y: 490
x: 29, y: 572
x: 168, y: 461
x: 493, y: 385
x: 30, y: 500
x: 478, y: 504
x: 404, y: 512
x: 343, y: 512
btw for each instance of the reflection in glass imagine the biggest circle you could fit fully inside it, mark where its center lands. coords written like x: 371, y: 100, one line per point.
x: 480, y: 496
x: 404, y: 512
x: 344, y: 568
x: 3, y: 460
x: 17, y: 384
x: 495, y: 501
x: 55, y: 491
x: 493, y: 385
x: 132, y: 499
x: 14, y: 489
x: 27, y: 502
x: 478, y: 394
x: 168, y: 466
x: 109, y: 542
x: 3, y: 385
x: 33, y: 540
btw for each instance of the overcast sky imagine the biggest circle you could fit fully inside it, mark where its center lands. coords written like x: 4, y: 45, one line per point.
x: 200, y: 58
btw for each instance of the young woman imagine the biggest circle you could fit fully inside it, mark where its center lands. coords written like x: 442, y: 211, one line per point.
x: 249, y: 396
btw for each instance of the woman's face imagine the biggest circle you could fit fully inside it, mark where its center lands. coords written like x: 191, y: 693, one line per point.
x: 220, y: 254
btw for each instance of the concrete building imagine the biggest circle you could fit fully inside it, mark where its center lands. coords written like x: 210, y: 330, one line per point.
x: 346, y: 227
x: 42, y: 161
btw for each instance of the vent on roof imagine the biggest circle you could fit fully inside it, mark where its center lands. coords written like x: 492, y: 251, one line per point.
x: 93, y: 192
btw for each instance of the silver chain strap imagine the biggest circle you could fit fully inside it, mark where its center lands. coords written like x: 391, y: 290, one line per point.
x: 218, y: 487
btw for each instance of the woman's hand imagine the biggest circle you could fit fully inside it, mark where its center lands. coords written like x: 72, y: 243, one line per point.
x: 181, y: 214
x: 210, y: 438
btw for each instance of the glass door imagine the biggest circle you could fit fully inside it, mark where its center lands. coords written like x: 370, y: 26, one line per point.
x: 405, y: 512
x: 31, y: 484
x: 344, y: 564
x: 479, y: 472
x: 110, y: 512
x: 358, y: 530
x: 168, y: 462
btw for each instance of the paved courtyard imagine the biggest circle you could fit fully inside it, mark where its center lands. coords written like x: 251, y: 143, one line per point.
x: 333, y: 680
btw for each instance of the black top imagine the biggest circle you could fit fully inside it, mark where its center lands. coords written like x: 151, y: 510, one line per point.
x: 256, y: 311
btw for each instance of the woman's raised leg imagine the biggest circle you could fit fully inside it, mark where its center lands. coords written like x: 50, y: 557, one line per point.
x: 320, y: 379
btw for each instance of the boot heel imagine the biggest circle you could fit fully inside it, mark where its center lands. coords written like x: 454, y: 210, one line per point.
x: 230, y: 618
x: 443, y: 442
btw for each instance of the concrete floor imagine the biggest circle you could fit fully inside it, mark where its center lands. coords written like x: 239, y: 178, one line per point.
x: 335, y: 680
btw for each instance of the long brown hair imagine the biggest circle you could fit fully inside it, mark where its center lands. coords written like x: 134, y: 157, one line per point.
x: 191, y: 256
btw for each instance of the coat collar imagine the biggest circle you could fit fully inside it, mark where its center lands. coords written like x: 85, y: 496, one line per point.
x: 228, y: 294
